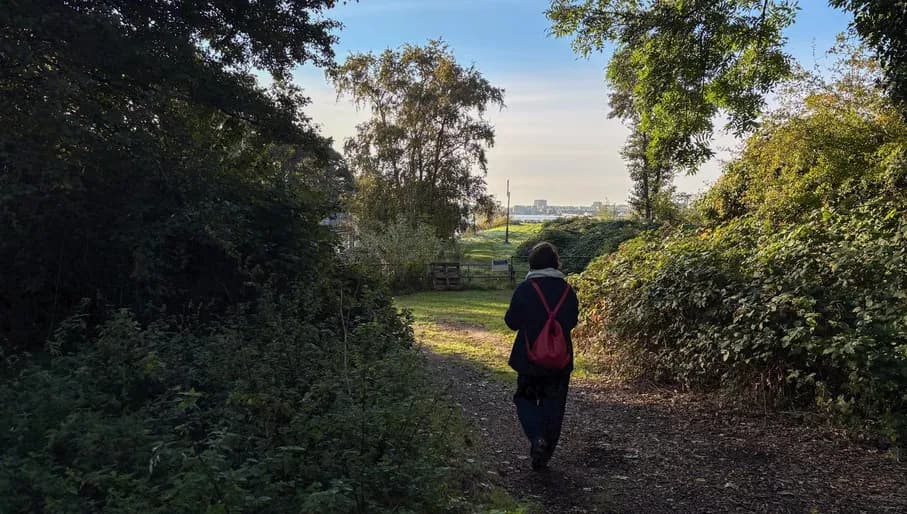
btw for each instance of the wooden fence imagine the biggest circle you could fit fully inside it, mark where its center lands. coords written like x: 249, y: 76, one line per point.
x: 455, y: 275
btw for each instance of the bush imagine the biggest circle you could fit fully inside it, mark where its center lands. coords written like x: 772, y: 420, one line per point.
x: 402, y: 250
x: 841, y: 152
x: 314, y: 401
x: 816, y: 308
x: 495, y: 221
x: 798, y: 287
x: 580, y: 240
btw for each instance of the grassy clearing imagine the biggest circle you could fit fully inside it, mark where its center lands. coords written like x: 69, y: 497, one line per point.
x: 480, y: 249
x: 480, y: 308
x: 442, y: 323
x: 486, y: 245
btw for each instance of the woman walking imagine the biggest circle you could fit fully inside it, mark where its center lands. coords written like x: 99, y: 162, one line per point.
x: 543, y: 311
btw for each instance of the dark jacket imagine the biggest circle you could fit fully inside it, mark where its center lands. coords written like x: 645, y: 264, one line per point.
x: 527, y: 315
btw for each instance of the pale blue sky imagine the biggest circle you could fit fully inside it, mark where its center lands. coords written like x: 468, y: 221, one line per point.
x: 553, y: 140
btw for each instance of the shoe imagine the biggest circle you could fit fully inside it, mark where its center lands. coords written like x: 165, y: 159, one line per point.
x: 539, y: 454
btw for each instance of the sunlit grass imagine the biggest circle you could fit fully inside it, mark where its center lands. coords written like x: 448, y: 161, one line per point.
x: 481, y: 308
x: 442, y: 318
x: 489, y: 244
x: 491, y: 354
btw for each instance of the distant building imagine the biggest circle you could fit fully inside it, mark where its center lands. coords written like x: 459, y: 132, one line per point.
x: 596, y: 206
x: 540, y: 204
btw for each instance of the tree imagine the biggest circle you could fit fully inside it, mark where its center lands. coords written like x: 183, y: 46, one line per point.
x: 422, y: 154
x: 677, y: 64
x: 651, y: 179
x: 222, y: 348
x: 836, y: 140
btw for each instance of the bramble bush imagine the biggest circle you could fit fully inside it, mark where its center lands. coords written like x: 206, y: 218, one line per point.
x: 798, y: 284
x: 815, y: 308
x: 312, y: 401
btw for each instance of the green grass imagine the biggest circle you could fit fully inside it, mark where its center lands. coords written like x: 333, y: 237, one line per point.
x: 481, y: 308
x: 486, y: 245
x: 441, y: 316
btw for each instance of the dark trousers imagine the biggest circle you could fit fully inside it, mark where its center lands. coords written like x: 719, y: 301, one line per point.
x: 540, y: 403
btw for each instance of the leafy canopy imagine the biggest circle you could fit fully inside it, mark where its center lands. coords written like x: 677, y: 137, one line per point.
x: 145, y: 154
x: 676, y: 64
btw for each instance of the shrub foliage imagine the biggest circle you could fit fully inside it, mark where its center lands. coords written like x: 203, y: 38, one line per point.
x: 399, y: 251
x: 307, y: 402
x: 799, y: 281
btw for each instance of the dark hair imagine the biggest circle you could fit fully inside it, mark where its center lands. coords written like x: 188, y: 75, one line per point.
x: 544, y: 255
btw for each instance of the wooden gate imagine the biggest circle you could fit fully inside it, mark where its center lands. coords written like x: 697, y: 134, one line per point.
x: 454, y: 275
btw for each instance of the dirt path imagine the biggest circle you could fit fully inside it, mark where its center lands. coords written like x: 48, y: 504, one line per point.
x: 630, y: 450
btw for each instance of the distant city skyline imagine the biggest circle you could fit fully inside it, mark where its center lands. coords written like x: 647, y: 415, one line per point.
x: 547, y: 203
x: 541, y: 209
x: 543, y: 203
x: 554, y: 139
x: 542, y: 206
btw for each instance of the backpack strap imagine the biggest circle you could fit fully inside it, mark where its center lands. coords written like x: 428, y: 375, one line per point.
x: 551, y: 313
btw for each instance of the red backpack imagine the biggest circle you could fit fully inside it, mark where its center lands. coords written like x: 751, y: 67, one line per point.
x: 550, y: 347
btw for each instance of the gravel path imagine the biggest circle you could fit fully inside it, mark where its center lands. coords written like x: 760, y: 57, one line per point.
x: 633, y: 450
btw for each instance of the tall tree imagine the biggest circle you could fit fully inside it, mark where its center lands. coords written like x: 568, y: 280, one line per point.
x: 651, y: 179
x: 676, y: 64
x: 422, y: 154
